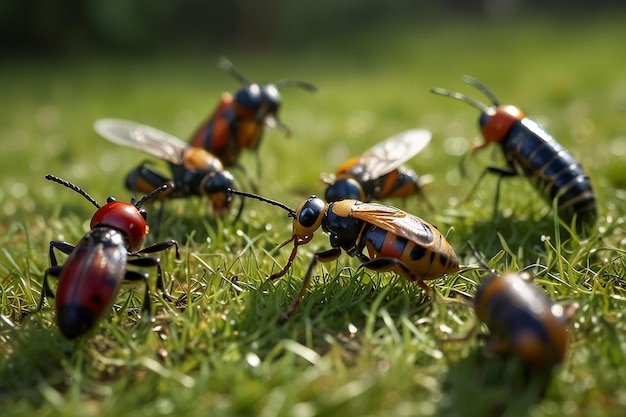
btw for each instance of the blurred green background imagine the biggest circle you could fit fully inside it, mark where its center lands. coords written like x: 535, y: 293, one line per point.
x: 67, y: 25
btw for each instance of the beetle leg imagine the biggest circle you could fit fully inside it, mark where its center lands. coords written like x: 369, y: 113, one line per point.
x: 45, y: 289
x: 148, y: 262
x: 326, y: 256
x: 64, y: 247
x: 146, y: 305
x: 158, y: 247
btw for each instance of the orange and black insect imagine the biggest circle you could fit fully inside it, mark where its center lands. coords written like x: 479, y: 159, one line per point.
x: 195, y: 172
x: 529, y: 150
x: 395, y: 241
x: 378, y: 173
x: 522, y: 319
x: 239, y: 120
x: 93, y: 273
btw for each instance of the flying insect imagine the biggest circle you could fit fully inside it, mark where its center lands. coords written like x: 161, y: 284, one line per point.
x: 239, y: 120
x: 378, y: 173
x: 195, y: 172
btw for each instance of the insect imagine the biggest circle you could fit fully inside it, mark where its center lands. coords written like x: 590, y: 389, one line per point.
x: 522, y: 319
x: 239, y: 120
x: 378, y: 174
x: 530, y: 151
x: 396, y: 241
x: 194, y: 170
x: 93, y: 273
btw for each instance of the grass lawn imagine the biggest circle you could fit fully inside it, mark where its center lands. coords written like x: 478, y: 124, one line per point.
x: 361, y: 343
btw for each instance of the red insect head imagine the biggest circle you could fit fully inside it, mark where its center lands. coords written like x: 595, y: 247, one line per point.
x: 126, y: 218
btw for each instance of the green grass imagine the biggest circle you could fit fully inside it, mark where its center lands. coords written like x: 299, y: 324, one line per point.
x: 361, y: 343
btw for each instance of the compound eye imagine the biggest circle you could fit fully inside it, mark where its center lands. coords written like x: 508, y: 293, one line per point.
x: 110, y: 199
x: 311, y: 211
x: 143, y: 214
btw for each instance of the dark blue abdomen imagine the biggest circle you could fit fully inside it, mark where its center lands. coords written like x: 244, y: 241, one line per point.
x: 552, y: 170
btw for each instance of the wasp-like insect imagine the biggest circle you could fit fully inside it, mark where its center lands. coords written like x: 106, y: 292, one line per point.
x: 194, y: 170
x: 529, y: 150
x: 396, y: 241
x: 93, y: 273
x: 378, y: 173
x: 239, y: 120
x: 522, y: 319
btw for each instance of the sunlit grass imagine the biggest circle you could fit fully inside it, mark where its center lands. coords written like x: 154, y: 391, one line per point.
x: 361, y: 343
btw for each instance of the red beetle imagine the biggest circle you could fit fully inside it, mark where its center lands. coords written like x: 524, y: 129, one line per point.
x: 93, y: 273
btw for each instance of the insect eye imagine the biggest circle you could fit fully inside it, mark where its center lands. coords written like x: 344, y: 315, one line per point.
x: 310, y: 212
x: 110, y: 199
x: 143, y: 213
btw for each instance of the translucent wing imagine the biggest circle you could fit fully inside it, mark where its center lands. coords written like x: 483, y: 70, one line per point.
x: 396, y: 221
x: 394, y: 151
x: 147, y: 139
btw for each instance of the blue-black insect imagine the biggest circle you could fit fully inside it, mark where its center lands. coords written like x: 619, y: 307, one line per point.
x: 530, y: 151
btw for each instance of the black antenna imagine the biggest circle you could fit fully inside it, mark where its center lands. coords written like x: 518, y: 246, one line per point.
x: 292, y: 213
x: 479, y: 258
x: 482, y: 87
x: 225, y: 64
x: 151, y: 195
x: 302, y: 84
x: 459, y: 96
x: 73, y: 187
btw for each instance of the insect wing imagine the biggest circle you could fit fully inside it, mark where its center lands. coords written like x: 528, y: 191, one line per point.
x: 396, y: 221
x: 147, y: 139
x: 394, y: 151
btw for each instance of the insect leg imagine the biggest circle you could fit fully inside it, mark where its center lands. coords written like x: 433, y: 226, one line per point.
x: 64, y: 247
x: 501, y: 172
x: 146, y: 305
x: 292, y: 256
x: 386, y: 264
x: 156, y: 262
x: 45, y: 290
x: 161, y: 246
x: 326, y: 256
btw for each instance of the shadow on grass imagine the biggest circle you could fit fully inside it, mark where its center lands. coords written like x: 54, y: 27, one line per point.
x: 483, y: 385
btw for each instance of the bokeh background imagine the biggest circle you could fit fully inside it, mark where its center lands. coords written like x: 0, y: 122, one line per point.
x: 67, y: 26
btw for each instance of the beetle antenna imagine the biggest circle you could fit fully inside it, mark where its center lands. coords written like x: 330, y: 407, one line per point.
x: 302, y: 84
x: 479, y: 258
x: 459, y: 96
x: 483, y: 88
x: 151, y: 195
x: 73, y: 187
x: 225, y: 64
x: 292, y: 213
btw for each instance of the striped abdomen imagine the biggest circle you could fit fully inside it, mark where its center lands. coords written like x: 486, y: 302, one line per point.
x: 553, y: 171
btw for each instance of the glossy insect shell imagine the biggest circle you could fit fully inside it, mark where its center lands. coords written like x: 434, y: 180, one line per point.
x: 255, y: 97
x: 230, y: 129
x: 396, y: 241
x: 309, y: 216
x: 125, y: 218
x: 387, y: 232
x: 548, y: 166
x: 89, y: 281
x: 522, y: 319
